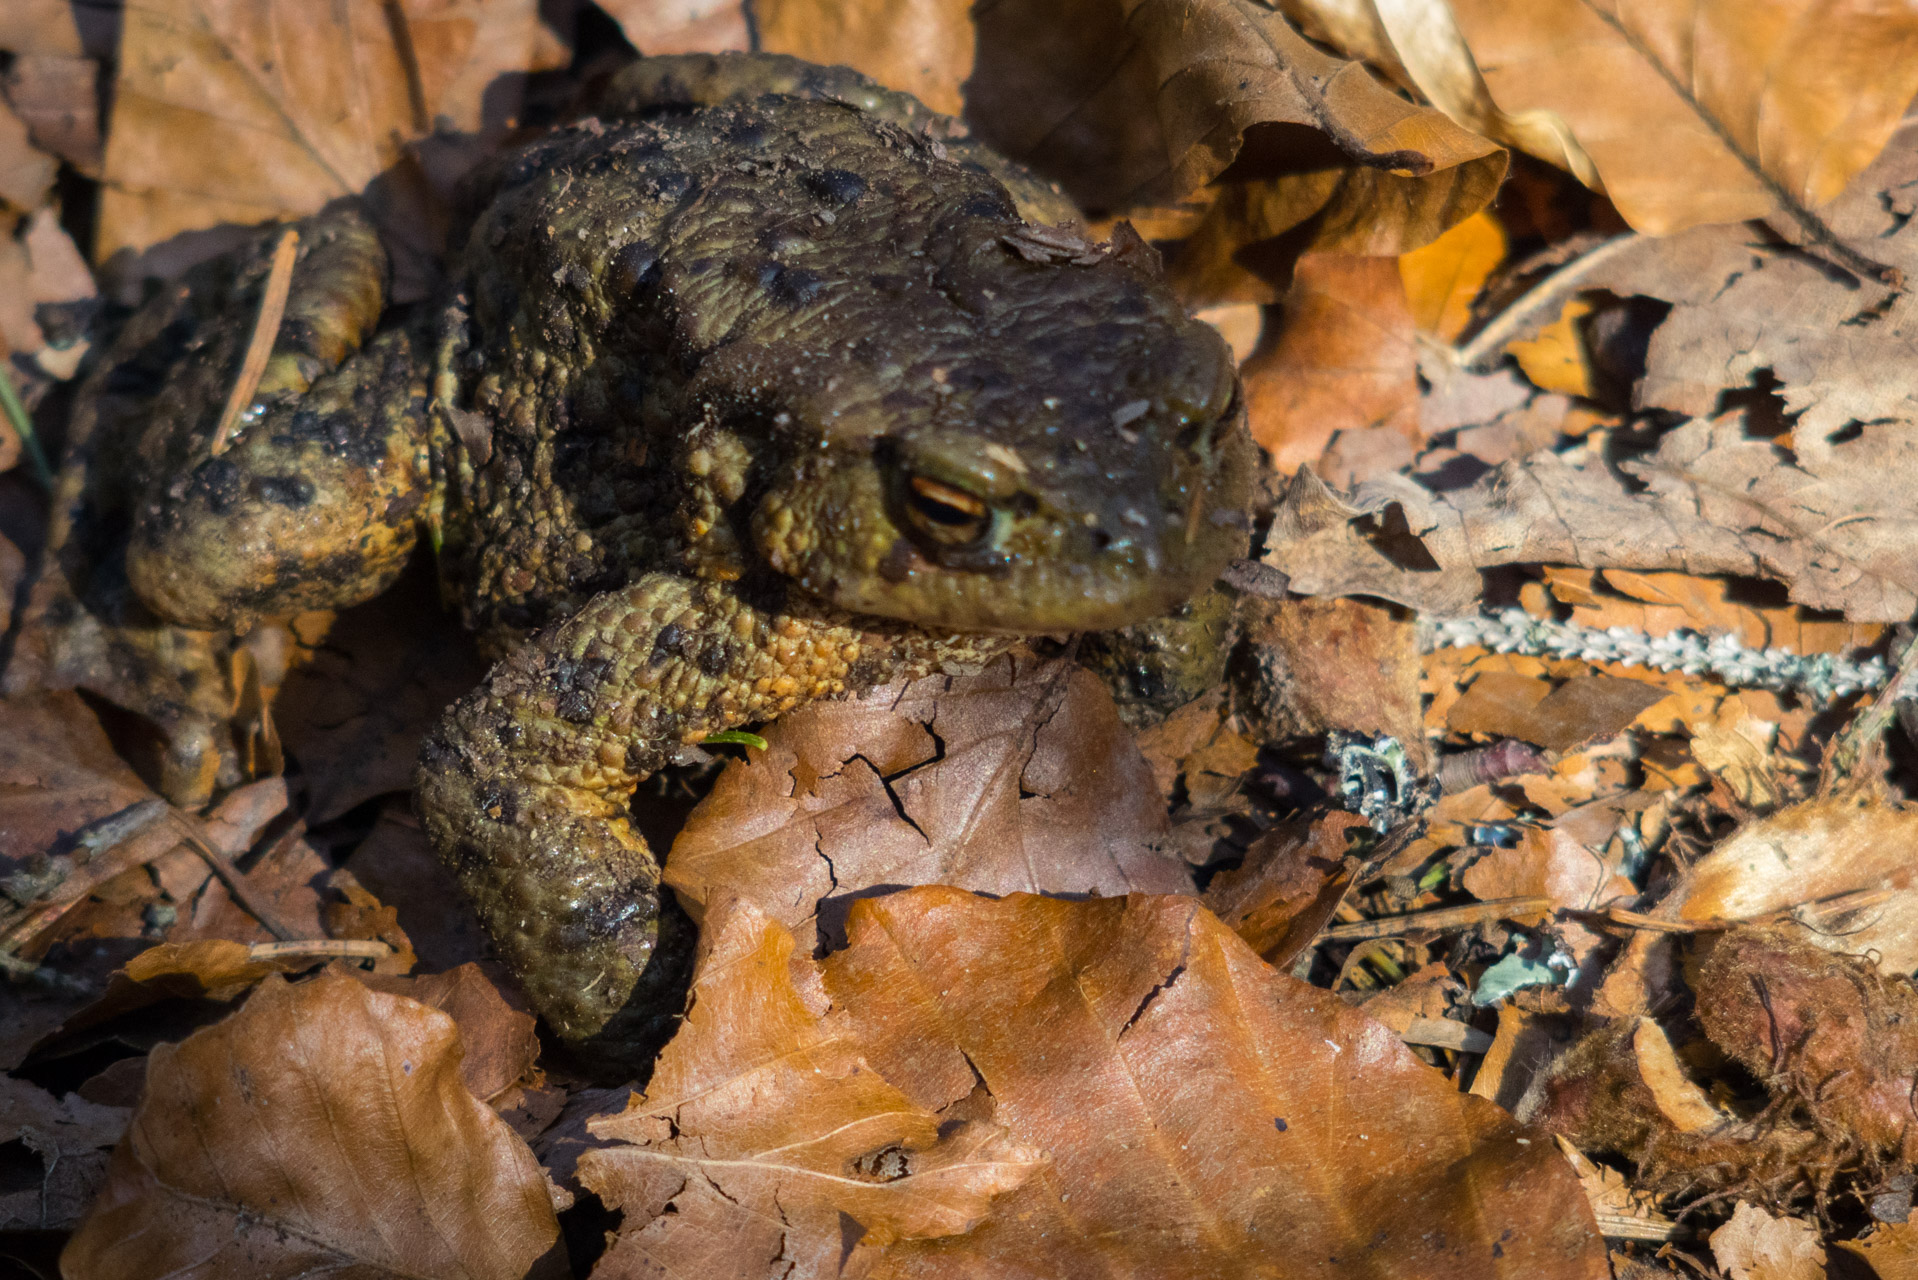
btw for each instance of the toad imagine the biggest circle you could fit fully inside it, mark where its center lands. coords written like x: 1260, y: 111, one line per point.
x: 761, y: 386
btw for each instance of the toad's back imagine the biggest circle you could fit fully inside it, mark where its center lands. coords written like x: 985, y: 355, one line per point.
x: 789, y: 337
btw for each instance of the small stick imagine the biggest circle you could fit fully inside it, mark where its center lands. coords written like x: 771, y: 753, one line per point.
x: 266, y: 330
x: 113, y: 845
x: 340, y: 948
x: 230, y: 876
x: 1444, y: 1033
x: 1441, y: 919
x: 1851, y: 900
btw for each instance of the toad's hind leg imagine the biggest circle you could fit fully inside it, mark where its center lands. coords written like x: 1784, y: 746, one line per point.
x: 523, y: 787
x: 314, y: 500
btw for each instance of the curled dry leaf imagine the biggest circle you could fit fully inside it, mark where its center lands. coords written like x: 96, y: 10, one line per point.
x: 1700, y: 111
x: 1148, y: 100
x: 1834, y: 524
x: 1844, y: 862
x: 247, y: 113
x: 764, y: 1129
x: 322, y: 1127
x: 1340, y: 664
x: 1581, y: 710
x: 1018, y: 778
x: 1204, y: 1114
x: 1837, y: 346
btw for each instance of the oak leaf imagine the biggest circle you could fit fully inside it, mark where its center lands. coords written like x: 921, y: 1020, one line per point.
x: 322, y: 1127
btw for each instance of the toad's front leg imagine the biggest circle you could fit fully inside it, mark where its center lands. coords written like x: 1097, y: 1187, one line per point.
x: 523, y: 787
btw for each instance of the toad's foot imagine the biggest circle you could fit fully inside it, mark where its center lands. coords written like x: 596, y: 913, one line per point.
x: 523, y: 787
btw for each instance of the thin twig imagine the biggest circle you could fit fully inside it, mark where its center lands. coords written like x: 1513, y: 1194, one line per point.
x: 1851, y: 900
x: 1543, y: 299
x: 1441, y: 919
x: 266, y: 331
x: 230, y: 876
x: 330, y: 948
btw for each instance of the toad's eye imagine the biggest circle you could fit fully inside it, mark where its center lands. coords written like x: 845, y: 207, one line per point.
x: 946, y: 516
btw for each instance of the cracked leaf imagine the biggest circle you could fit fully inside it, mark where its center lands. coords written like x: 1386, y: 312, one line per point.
x: 764, y: 1131
x: 1835, y: 524
x: 1204, y: 1114
x: 1018, y: 778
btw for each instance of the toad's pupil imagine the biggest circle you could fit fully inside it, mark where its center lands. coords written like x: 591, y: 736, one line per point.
x: 944, y: 504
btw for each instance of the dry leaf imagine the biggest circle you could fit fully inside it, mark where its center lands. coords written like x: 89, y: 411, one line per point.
x: 683, y: 26
x: 1697, y: 111
x: 322, y: 1127
x: 1812, y: 852
x: 498, y: 1043
x: 1340, y: 664
x: 1836, y: 525
x: 1158, y: 1061
x: 58, y: 773
x: 26, y: 172
x: 1755, y: 1245
x: 1556, y: 360
x: 1443, y: 279
x: 58, y: 99
x: 247, y: 113
x: 398, y: 865
x: 763, y: 1131
x: 1143, y: 101
x: 53, y: 1155
x: 921, y: 46
x: 1736, y: 748
x: 1836, y: 344
x: 1891, y: 1250
x: 1621, y: 1212
x: 1292, y: 880
x: 1341, y: 360
x: 1018, y: 778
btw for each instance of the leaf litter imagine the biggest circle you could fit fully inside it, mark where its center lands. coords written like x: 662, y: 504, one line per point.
x: 1534, y: 899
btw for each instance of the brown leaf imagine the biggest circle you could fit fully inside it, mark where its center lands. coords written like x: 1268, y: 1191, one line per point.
x: 1755, y: 1245
x: 26, y: 172
x: 398, y: 865
x: 1161, y: 1063
x: 1342, y: 360
x: 1834, y: 342
x: 1583, y: 709
x: 1695, y: 112
x: 63, y: 1144
x: 1443, y: 279
x: 1891, y: 1250
x: 1018, y: 778
x: 58, y: 773
x: 1292, y: 880
x: 683, y: 26
x: 763, y: 1131
x: 58, y: 99
x: 1818, y: 851
x: 1835, y: 524
x: 1342, y: 664
x: 1147, y: 100
x: 497, y: 1038
x: 921, y: 46
x: 248, y: 113
x: 322, y: 1127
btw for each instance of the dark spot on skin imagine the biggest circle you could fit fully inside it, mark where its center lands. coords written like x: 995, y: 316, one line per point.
x: 746, y: 133
x: 986, y: 205
x: 714, y: 660
x: 900, y: 562
x: 507, y: 733
x: 286, y: 491
x: 635, y: 267
x: 403, y: 508
x: 673, y: 185
x: 666, y: 647
x: 836, y: 186
x: 576, y: 706
x: 217, y: 483
x: 793, y: 286
x: 498, y: 804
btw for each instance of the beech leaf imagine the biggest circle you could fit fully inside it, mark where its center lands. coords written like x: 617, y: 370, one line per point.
x: 323, y: 1127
